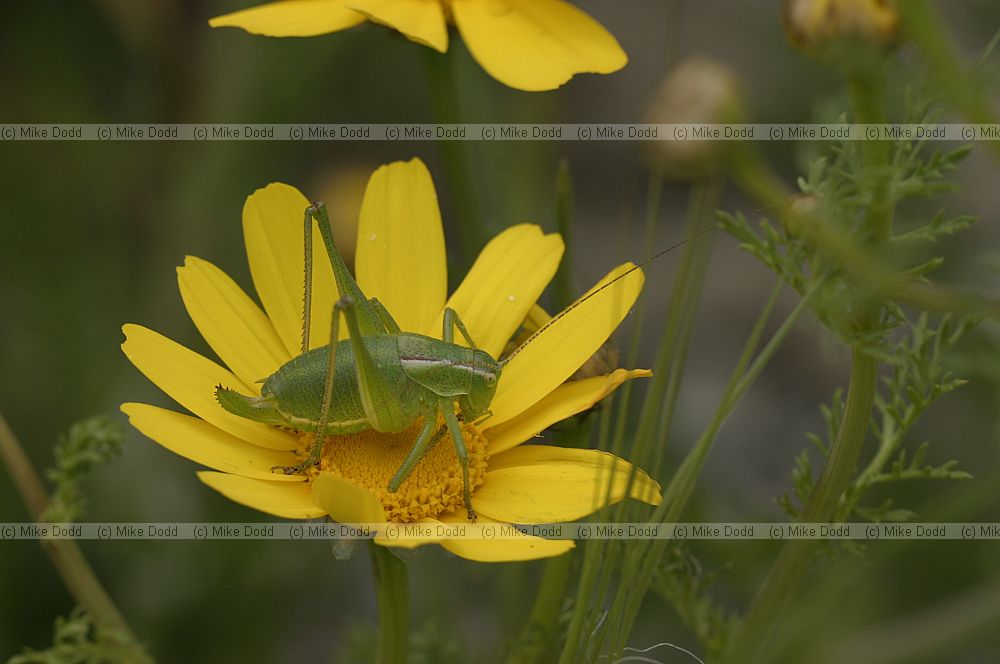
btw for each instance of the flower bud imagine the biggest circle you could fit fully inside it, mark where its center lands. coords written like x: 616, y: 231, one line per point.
x: 801, y: 207
x: 816, y: 23
x: 698, y: 91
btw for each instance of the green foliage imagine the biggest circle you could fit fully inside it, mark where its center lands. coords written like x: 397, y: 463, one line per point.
x: 823, y: 242
x: 917, y: 376
x: 683, y: 582
x: 429, y: 644
x: 938, y: 227
x: 823, y: 238
x: 433, y: 645
x: 88, y: 444
x: 76, y: 640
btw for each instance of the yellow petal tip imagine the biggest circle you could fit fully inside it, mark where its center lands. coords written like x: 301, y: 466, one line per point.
x: 127, y: 329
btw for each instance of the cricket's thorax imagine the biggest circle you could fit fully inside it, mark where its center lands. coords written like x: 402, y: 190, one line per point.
x: 444, y: 368
x: 448, y: 370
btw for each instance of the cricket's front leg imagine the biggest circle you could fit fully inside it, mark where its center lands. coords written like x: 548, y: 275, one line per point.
x: 424, y: 442
x: 448, y: 411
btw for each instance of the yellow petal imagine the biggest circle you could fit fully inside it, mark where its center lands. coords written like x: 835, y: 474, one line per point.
x: 292, y: 18
x: 201, y: 442
x: 273, y: 231
x: 230, y: 322
x: 400, y: 255
x: 506, y: 280
x: 536, y: 44
x: 524, y: 547
x: 345, y: 502
x: 566, y: 400
x: 560, y: 349
x: 420, y: 20
x: 289, y: 500
x: 190, y: 380
x: 546, y: 484
x: 507, y: 545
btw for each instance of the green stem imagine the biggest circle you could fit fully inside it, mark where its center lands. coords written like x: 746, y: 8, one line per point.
x: 392, y: 595
x: 786, y: 574
x: 650, y: 442
x: 447, y: 109
x: 539, y: 632
x: 65, y: 554
x: 686, y: 290
x: 867, y: 89
x: 564, y: 291
x: 682, y: 484
x: 645, y: 559
x: 654, y: 196
x: 868, y: 102
x: 28, y: 484
x: 595, y: 575
x: 691, y: 302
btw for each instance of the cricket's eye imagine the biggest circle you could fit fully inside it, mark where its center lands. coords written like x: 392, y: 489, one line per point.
x: 490, y: 380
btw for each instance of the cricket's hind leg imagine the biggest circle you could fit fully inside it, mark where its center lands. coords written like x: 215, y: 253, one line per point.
x: 324, y: 414
x: 452, y: 321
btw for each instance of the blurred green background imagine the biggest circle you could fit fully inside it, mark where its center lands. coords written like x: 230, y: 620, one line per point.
x: 90, y: 234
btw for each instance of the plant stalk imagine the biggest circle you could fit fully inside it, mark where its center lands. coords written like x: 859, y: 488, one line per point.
x: 748, y: 369
x: 65, y: 554
x: 392, y: 594
x: 867, y: 87
x: 447, y: 109
x: 786, y: 574
x: 539, y: 632
x: 563, y: 288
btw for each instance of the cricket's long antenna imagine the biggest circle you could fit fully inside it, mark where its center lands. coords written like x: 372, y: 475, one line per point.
x: 621, y: 276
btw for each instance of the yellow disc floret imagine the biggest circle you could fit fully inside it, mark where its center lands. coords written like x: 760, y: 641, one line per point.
x: 369, y: 459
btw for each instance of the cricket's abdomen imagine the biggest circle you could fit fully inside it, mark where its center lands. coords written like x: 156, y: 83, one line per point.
x: 297, y: 387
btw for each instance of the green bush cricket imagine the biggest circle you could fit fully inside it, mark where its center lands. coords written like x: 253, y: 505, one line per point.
x: 385, y: 379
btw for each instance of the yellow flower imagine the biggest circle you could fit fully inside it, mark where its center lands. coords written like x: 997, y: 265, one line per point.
x: 526, y: 44
x: 400, y: 260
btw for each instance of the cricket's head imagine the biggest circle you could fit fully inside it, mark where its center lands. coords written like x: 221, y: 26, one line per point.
x: 483, y: 381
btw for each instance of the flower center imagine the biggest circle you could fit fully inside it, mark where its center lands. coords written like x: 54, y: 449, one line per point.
x: 369, y: 459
